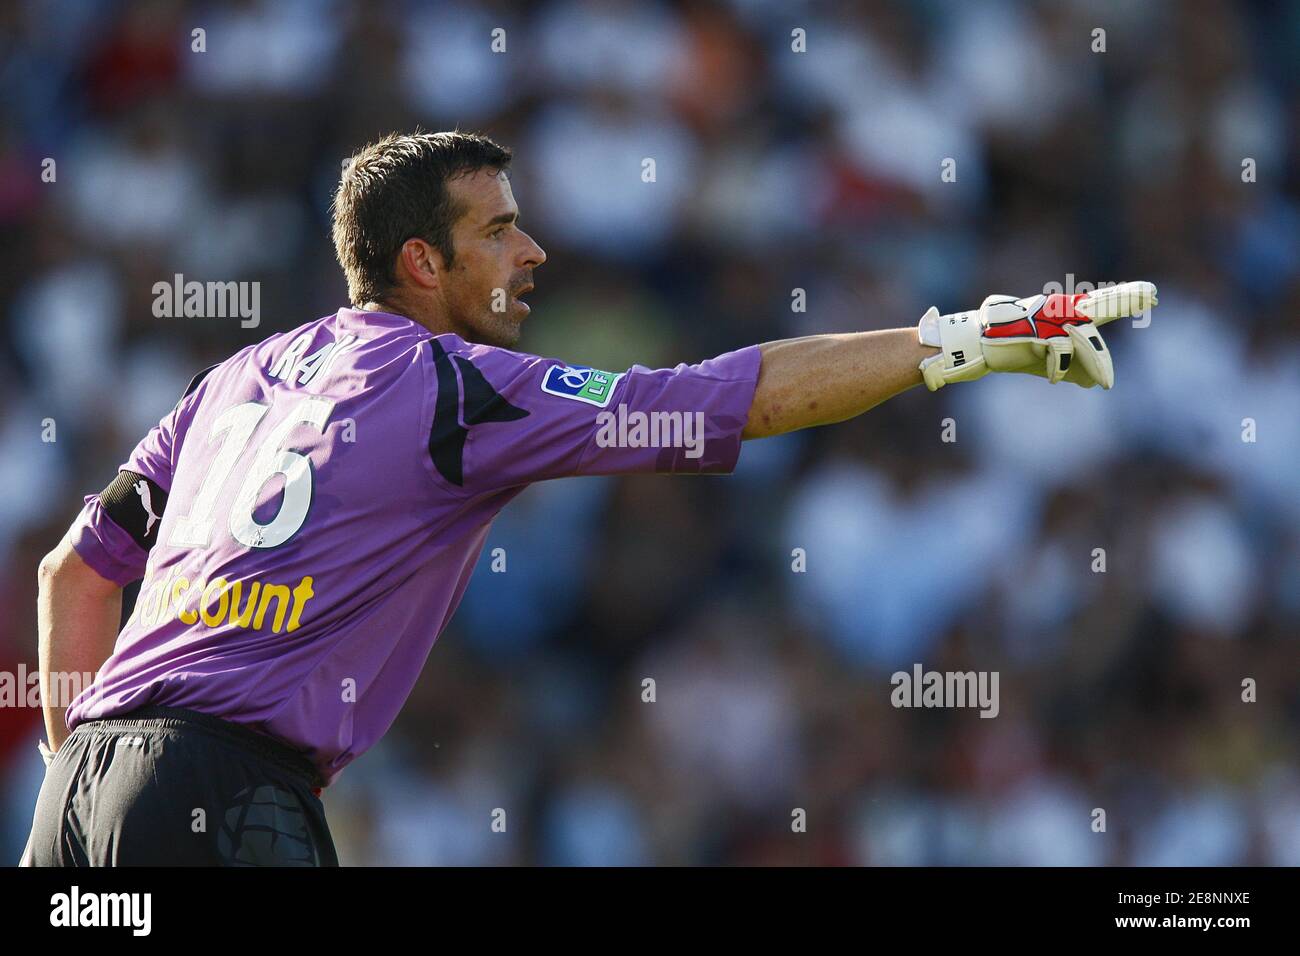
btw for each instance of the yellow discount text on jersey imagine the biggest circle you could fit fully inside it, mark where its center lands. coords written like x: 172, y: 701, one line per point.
x: 217, y: 602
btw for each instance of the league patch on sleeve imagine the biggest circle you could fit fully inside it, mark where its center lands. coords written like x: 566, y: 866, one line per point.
x: 580, y: 383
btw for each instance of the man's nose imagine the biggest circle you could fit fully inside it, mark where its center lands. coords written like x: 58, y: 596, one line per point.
x: 533, y: 255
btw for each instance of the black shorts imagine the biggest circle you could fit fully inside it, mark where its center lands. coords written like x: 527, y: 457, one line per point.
x: 162, y: 786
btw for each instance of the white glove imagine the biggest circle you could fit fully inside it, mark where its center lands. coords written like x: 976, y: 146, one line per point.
x: 1052, y: 336
x: 46, y: 753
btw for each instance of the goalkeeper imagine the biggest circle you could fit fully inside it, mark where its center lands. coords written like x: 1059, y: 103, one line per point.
x: 305, y: 520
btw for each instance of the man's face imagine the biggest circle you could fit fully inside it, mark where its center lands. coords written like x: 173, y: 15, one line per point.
x: 494, y: 262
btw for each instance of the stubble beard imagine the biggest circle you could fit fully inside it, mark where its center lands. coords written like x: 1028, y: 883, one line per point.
x: 497, y: 329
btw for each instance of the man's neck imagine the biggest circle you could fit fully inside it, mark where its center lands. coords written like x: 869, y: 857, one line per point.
x: 431, y: 319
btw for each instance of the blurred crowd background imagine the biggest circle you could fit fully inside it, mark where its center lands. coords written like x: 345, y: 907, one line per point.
x: 775, y: 171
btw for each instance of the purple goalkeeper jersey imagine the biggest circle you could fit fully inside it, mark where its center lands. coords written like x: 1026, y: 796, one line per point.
x: 328, y: 491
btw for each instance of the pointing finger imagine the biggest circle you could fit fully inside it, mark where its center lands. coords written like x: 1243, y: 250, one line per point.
x: 1117, y: 302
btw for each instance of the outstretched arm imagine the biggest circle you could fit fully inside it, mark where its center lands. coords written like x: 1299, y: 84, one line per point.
x: 822, y: 379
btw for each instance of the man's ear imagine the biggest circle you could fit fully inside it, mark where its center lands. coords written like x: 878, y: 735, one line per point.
x: 419, y: 264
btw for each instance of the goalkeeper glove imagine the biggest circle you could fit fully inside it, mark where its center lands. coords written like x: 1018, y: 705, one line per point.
x: 1052, y: 336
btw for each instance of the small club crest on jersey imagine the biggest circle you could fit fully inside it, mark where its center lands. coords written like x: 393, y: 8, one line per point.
x: 580, y: 383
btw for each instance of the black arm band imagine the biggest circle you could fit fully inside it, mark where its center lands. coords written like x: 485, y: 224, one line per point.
x: 136, y: 506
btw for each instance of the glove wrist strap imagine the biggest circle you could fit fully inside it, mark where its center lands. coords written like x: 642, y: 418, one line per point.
x: 957, y: 336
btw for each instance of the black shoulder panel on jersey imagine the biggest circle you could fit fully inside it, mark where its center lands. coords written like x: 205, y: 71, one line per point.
x: 194, y: 382
x: 136, y: 505
x: 483, y: 404
x: 446, y: 438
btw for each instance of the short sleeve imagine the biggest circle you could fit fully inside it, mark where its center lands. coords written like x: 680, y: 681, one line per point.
x: 503, y: 418
x: 106, y: 547
x: 112, y: 551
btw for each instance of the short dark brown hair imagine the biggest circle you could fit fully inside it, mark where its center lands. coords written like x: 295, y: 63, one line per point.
x: 396, y: 189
